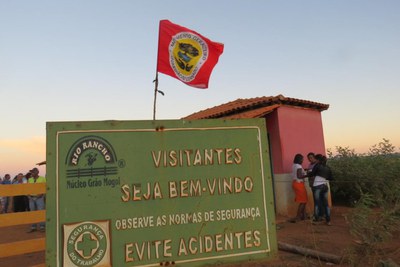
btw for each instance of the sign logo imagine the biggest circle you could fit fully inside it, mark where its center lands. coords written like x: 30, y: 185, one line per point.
x: 92, y: 156
x: 187, y: 54
x: 87, y: 244
x: 90, y: 147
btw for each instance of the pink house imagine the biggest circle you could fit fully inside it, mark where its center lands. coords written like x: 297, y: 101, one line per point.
x: 293, y: 126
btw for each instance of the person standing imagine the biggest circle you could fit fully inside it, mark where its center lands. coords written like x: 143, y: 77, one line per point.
x: 19, y: 201
x: 6, y: 200
x: 26, y: 198
x: 1, y: 198
x: 312, y: 161
x: 36, y: 202
x: 322, y: 174
x: 299, y: 188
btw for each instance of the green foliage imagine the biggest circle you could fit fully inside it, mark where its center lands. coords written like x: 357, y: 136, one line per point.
x: 383, y: 148
x: 370, y: 182
x: 372, y: 226
x: 385, y: 222
x: 375, y: 173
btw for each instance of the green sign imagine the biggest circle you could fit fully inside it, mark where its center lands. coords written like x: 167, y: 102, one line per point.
x: 157, y: 193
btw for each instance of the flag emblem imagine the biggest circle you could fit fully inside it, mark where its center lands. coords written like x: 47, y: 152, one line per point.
x: 186, y: 55
x: 187, y: 52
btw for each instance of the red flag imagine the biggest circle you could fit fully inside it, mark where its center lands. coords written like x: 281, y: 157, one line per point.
x: 186, y: 55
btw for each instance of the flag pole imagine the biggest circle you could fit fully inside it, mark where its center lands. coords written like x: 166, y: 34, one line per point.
x: 156, y: 79
x: 155, y: 95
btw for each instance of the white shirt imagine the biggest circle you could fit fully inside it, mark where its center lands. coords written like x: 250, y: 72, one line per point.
x: 319, y: 180
x: 295, y: 167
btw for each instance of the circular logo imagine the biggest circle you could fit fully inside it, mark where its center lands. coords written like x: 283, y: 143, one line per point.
x: 86, y: 244
x: 187, y: 54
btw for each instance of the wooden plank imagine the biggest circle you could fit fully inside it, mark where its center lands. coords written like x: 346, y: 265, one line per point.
x: 18, y: 218
x: 22, y: 189
x: 310, y: 252
x: 22, y: 247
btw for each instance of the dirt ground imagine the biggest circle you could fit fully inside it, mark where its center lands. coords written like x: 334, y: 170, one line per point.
x: 335, y: 239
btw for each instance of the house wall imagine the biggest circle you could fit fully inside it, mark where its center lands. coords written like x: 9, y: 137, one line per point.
x: 292, y: 130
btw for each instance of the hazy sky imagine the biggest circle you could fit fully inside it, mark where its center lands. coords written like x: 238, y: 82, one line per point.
x: 96, y: 60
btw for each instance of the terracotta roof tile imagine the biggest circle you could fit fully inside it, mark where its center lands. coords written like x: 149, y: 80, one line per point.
x: 253, y: 107
x: 255, y: 113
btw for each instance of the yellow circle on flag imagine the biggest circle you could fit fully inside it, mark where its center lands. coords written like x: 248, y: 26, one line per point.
x: 188, y: 52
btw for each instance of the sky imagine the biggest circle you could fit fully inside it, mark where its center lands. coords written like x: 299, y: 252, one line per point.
x: 95, y: 60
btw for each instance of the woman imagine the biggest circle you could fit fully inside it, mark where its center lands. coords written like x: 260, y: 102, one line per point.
x: 299, y: 189
x: 19, y: 201
x: 320, y: 188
